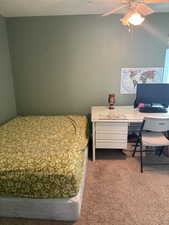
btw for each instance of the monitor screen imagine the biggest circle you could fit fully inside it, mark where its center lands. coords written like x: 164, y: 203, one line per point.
x: 152, y: 94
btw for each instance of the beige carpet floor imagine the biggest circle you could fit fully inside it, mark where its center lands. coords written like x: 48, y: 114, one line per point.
x: 116, y: 193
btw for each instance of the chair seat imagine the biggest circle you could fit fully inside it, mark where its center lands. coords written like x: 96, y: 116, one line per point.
x: 154, y: 139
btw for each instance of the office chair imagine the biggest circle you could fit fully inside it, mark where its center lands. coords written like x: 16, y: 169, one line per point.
x: 152, y: 133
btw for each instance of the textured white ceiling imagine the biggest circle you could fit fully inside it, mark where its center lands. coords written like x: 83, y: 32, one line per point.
x: 19, y: 8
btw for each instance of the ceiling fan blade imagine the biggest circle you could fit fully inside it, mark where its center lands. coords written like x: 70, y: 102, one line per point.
x: 143, y: 9
x: 114, y: 10
x: 156, y: 1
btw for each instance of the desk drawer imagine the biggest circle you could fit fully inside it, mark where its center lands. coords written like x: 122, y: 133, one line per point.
x: 111, y: 144
x: 115, y: 127
x: 111, y: 136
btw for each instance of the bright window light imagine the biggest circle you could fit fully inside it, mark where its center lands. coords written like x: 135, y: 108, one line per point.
x: 166, y: 67
x: 136, y: 19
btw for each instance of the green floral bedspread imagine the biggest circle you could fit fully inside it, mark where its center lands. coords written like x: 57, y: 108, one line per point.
x: 42, y: 156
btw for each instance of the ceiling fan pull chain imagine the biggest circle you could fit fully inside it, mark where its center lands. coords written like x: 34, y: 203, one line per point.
x: 129, y: 28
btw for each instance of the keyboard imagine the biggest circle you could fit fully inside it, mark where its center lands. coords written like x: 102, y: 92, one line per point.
x: 148, y: 109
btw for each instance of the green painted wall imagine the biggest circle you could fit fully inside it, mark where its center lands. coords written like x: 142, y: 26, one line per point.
x: 66, y: 64
x: 7, y: 99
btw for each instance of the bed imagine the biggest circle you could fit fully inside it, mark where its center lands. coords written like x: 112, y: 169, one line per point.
x: 42, y: 167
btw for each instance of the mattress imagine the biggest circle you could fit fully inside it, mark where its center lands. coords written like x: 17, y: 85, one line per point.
x: 42, y: 156
x: 67, y: 209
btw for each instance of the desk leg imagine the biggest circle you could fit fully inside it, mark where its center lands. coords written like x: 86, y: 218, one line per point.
x: 94, y: 140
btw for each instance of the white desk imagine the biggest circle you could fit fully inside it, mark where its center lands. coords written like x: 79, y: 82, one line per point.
x: 110, y: 127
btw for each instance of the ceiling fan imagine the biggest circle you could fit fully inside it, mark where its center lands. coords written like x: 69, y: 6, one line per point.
x: 137, y: 10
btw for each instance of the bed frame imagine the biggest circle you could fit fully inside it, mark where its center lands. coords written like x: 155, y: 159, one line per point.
x: 66, y: 209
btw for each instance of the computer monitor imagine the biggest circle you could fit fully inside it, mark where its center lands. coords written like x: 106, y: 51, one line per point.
x: 152, y: 94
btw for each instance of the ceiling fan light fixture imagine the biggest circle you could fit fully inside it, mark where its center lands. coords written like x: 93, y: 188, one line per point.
x: 136, y: 19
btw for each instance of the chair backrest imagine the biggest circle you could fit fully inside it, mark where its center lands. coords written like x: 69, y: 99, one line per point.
x: 156, y: 124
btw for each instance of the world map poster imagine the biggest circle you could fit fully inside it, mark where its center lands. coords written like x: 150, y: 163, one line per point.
x: 130, y: 77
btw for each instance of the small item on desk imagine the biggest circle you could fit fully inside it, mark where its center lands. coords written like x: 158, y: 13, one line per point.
x: 111, y: 101
x: 152, y: 108
x: 141, y: 105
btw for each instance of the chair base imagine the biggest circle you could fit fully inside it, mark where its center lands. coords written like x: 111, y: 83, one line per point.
x: 141, y: 155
